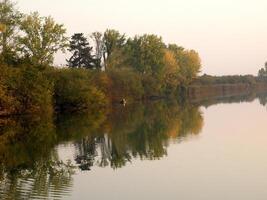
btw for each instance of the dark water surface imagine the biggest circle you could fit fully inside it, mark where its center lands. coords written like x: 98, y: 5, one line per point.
x: 209, y: 149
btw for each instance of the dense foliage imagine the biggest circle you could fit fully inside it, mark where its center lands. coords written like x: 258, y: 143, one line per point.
x: 104, y: 68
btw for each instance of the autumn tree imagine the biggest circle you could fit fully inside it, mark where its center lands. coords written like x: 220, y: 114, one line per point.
x: 81, y: 52
x: 42, y: 37
x: 190, y: 64
x: 171, y: 72
x: 188, y: 61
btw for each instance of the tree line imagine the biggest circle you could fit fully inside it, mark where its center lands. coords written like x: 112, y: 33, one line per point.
x: 102, y: 68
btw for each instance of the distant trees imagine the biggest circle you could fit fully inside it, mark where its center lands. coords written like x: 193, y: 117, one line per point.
x: 162, y: 68
x: 42, y: 38
x: 230, y: 79
x: 81, y: 53
x: 263, y: 71
x: 146, y: 54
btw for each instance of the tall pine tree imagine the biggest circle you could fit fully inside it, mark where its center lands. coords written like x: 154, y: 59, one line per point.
x: 81, y: 52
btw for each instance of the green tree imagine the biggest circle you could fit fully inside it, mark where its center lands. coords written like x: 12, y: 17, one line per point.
x: 42, y: 37
x: 81, y: 52
x: 9, y: 21
x: 113, y: 41
x: 146, y: 53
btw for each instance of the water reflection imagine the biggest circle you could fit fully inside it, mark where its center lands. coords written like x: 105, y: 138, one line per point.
x: 247, y: 97
x: 139, y: 131
x: 30, y: 166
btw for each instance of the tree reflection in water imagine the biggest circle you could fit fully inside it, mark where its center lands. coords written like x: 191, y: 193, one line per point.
x: 137, y: 131
x: 30, y: 166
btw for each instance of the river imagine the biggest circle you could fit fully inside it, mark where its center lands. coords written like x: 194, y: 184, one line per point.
x: 209, y: 149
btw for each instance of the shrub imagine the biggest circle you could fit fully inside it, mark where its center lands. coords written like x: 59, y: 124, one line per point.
x: 74, y: 90
x: 8, y: 103
x: 125, y: 83
x: 24, y: 90
x: 32, y: 90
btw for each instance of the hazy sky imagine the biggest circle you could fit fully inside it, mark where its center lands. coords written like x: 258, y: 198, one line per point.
x: 230, y: 35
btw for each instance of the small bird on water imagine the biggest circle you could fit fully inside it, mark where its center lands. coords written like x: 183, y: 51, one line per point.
x: 123, y: 102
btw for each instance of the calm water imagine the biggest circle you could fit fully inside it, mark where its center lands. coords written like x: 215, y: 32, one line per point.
x: 210, y: 149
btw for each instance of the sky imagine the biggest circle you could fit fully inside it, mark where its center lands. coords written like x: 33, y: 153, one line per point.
x: 229, y: 35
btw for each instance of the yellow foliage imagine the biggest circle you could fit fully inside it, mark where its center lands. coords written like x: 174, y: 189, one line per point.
x: 170, y: 60
x: 192, y: 63
x: 171, y: 69
x: 174, y: 129
x: 2, y: 28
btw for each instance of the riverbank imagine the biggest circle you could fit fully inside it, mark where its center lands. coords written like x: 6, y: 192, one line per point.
x: 207, y: 94
x: 30, y: 90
